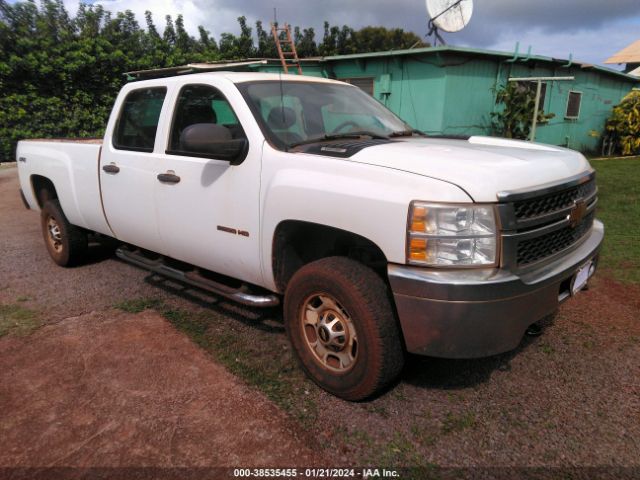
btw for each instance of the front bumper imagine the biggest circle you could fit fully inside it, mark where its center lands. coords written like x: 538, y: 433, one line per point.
x: 481, y: 312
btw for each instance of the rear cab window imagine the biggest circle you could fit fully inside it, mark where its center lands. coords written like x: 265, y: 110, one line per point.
x: 138, y: 120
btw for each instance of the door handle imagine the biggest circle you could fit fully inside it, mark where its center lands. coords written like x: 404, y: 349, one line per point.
x: 111, y: 168
x: 168, y: 177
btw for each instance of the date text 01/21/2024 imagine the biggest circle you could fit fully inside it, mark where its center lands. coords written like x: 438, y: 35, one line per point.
x: 316, y: 472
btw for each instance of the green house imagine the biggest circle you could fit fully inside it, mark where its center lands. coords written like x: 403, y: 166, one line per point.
x: 451, y: 90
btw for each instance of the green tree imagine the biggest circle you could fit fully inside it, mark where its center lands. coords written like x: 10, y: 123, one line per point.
x: 59, y: 74
x: 517, y: 105
x: 624, y: 124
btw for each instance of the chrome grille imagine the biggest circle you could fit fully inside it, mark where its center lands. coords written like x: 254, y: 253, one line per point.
x: 536, y: 224
x: 539, y: 248
x: 548, y: 204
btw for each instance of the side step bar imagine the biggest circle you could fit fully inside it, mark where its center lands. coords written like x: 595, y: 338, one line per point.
x: 241, y: 295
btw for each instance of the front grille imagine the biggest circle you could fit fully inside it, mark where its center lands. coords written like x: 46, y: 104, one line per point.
x: 554, y: 202
x: 535, y: 249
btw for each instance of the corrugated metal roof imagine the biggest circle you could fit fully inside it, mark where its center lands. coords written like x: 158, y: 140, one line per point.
x: 629, y: 54
x: 475, y: 51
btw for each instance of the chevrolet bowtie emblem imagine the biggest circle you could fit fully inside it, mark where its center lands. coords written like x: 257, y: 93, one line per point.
x: 577, y: 213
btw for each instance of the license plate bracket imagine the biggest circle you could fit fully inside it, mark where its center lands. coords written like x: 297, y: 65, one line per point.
x: 581, y: 277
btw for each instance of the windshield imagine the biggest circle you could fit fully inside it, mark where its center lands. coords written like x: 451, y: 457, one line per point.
x: 295, y: 112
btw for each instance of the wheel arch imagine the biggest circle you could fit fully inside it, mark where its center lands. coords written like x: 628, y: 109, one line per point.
x: 43, y: 189
x: 297, y: 243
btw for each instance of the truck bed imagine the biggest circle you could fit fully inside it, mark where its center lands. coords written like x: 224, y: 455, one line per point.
x: 72, y: 165
x: 68, y: 140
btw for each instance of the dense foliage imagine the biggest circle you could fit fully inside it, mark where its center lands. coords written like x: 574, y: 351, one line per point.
x: 624, y: 124
x: 60, y: 74
x: 517, y: 104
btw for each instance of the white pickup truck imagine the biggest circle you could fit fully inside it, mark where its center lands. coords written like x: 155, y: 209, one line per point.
x: 377, y: 239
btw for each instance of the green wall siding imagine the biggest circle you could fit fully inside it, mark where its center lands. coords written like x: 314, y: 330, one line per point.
x: 451, y: 91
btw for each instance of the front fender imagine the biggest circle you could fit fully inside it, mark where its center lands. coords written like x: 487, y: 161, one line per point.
x: 367, y: 200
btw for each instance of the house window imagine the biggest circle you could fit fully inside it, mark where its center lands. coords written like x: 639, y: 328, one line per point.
x: 363, y: 83
x: 573, y: 105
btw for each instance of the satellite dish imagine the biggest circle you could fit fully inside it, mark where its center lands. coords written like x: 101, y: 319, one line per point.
x: 450, y: 15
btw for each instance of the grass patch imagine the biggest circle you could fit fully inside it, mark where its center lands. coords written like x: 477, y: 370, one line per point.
x: 279, y: 378
x: 546, y: 348
x: 458, y: 422
x: 17, y: 320
x: 358, y: 438
x: 138, y: 305
x: 619, y: 209
x: 424, y: 435
x: 402, y: 452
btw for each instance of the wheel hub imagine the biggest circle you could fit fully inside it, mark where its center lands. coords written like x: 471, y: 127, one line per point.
x: 332, y: 332
x: 55, y: 234
x: 329, y: 332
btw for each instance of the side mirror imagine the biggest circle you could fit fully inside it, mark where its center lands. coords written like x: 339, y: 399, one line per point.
x: 210, y: 140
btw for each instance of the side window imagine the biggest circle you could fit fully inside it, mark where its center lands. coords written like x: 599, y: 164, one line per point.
x: 205, y: 106
x: 138, y: 120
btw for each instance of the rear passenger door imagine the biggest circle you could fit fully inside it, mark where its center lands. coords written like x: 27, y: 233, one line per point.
x: 128, y: 168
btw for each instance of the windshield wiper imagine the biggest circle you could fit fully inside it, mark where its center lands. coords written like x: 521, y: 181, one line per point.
x: 337, y: 136
x: 407, y: 133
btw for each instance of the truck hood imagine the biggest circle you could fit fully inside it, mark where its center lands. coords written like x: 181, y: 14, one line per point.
x: 482, y: 166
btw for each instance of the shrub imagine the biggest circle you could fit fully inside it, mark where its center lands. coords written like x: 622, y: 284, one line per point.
x: 624, y: 124
x: 514, y: 119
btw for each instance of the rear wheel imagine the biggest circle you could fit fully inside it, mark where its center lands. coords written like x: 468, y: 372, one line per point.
x: 66, y: 243
x: 341, y: 325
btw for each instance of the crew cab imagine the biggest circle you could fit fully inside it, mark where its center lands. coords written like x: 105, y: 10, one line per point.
x: 280, y: 189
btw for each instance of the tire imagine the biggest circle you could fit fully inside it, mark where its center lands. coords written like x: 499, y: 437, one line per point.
x: 341, y: 324
x: 66, y: 243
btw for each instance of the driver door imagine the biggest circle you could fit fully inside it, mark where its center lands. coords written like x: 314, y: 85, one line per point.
x: 209, y: 217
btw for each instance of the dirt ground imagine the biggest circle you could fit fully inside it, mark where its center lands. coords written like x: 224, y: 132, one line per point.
x: 569, y: 398
x: 96, y: 387
x: 110, y: 388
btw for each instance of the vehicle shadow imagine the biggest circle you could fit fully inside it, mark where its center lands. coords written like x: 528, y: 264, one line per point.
x: 100, y: 249
x: 420, y: 371
x: 449, y: 374
x: 267, y: 320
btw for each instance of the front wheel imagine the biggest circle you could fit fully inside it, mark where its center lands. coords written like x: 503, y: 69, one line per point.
x: 66, y: 243
x: 341, y: 325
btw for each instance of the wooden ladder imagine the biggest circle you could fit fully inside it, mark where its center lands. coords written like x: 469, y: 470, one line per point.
x: 289, y: 56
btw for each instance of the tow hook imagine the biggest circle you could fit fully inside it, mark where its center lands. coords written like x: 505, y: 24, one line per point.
x: 534, y: 330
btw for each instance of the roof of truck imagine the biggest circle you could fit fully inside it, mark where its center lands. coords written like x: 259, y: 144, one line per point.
x: 239, y: 77
x: 201, y: 71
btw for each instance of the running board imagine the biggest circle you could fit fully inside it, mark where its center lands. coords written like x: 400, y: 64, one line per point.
x: 241, y: 295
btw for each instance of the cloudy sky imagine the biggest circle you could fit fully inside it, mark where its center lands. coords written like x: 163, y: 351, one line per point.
x: 591, y: 30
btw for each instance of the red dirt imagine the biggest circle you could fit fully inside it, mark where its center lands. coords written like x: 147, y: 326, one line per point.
x: 113, y: 389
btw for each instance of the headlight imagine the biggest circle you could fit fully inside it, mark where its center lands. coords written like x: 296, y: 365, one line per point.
x: 452, y: 235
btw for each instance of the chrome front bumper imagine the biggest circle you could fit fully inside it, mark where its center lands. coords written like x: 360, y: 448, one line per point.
x: 481, y: 312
